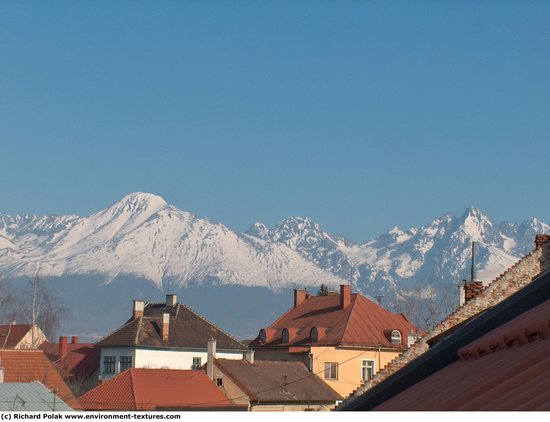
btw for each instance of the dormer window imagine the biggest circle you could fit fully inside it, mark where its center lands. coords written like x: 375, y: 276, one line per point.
x: 262, y: 336
x: 396, y: 337
x: 285, y: 337
x: 314, y: 335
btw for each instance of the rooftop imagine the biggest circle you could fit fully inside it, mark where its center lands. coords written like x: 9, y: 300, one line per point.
x: 277, y: 381
x: 187, y: 329
x: 33, y: 365
x: 361, y: 323
x: 154, y: 389
x: 29, y: 397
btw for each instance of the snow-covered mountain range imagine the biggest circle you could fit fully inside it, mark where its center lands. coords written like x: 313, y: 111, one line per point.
x: 143, y: 237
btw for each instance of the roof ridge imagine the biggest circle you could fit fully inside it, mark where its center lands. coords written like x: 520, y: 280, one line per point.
x: 140, y: 321
x: 352, y: 305
x: 211, y: 323
x: 119, y: 328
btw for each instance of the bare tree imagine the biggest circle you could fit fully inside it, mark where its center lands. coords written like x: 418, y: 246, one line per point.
x: 35, y: 304
x: 428, y: 303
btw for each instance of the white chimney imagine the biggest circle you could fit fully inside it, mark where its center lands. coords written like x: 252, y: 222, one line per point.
x: 249, y: 356
x: 165, y: 327
x: 1, y: 373
x: 139, y: 308
x: 211, y: 355
x: 171, y: 300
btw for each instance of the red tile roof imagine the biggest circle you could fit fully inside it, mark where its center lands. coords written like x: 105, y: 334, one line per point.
x: 33, y: 365
x: 150, y: 389
x: 505, y: 369
x: 11, y: 335
x: 362, y: 323
x: 80, y: 361
x: 263, y: 381
x: 186, y: 329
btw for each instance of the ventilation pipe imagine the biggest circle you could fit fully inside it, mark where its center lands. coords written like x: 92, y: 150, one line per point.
x: 473, y: 272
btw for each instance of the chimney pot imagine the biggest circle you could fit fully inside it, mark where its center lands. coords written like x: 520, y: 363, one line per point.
x: 300, y: 296
x: 139, y: 308
x: 345, y: 296
x: 63, y: 346
x: 171, y: 300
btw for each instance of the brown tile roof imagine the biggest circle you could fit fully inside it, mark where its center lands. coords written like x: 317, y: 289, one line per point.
x: 263, y: 381
x: 362, y: 323
x: 187, y: 329
x: 33, y: 365
x: 150, y: 389
x: 506, y: 369
x: 11, y: 335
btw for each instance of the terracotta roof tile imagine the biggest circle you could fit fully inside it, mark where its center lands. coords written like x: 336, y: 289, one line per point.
x: 150, y: 389
x: 505, y: 369
x: 263, y: 381
x: 362, y: 323
x: 33, y: 365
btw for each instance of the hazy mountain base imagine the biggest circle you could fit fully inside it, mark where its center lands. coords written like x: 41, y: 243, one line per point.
x: 96, y: 309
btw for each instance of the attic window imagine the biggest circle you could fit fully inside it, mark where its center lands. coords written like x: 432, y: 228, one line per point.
x: 396, y: 337
x: 262, y: 336
x: 314, y: 335
x: 285, y: 336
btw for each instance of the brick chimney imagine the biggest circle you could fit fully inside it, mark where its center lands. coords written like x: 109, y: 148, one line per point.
x: 345, y: 296
x: 472, y: 289
x: 300, y: 296
x: 541, y: 239
x: 171, y: 300
x: 63, y: 346
x: 139, y: 307
x: 165, y: 327
x: 74, y: 340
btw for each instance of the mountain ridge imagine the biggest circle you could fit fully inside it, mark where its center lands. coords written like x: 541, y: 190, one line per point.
x: 143, y: 237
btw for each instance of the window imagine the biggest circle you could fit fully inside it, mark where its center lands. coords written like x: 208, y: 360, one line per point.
x: 109, y: 364
x: 396, y: 337
x: 314, y: 335
x: 331, y: 370
x: 262, y: 336
x: 196, y: 363
x: 367, y: 370
x: 219, y: 382
x: 286, y: 337
x: 125, y: 363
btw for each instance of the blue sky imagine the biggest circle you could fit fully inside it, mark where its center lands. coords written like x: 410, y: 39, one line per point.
x: 363, y: 115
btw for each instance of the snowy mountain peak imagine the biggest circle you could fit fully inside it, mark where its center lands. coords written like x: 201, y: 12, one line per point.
x: 258, y: 230
x: 476, y: 224
x: 139, y: 202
